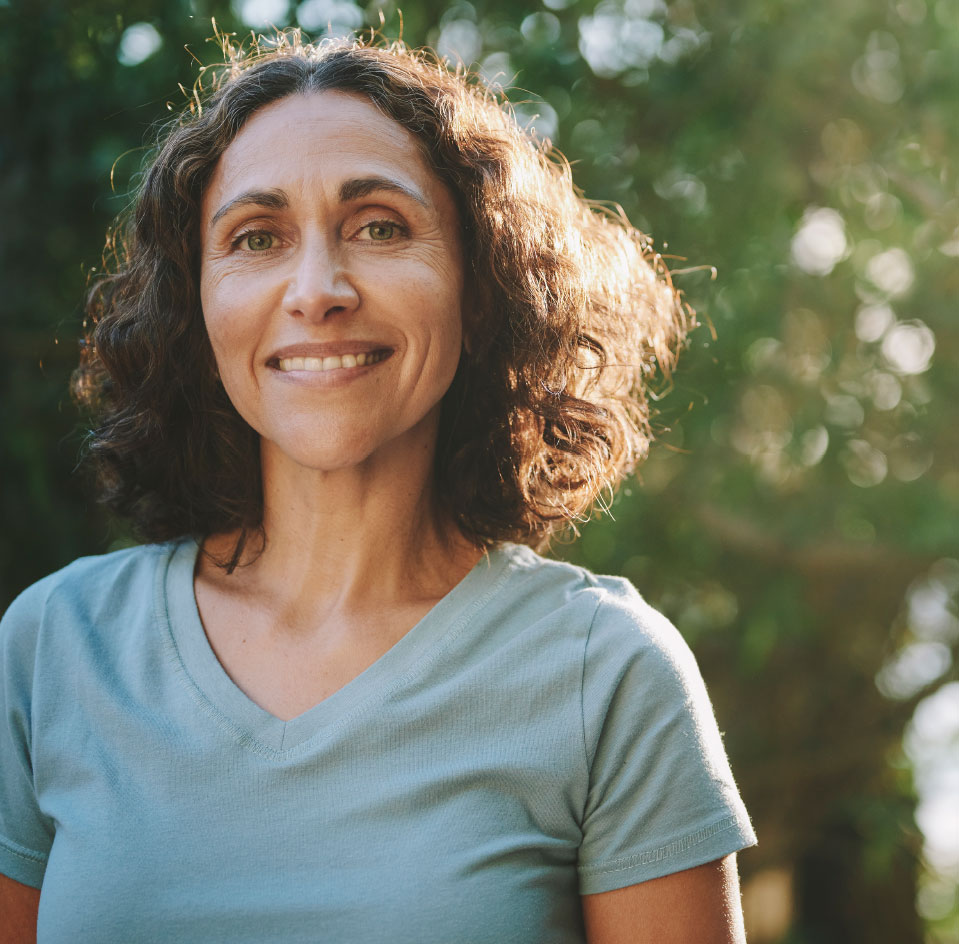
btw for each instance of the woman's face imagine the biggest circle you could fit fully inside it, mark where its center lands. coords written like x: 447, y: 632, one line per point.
x: 331, y: 282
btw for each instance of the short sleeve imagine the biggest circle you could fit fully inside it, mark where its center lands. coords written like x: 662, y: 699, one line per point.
x: 661, y: 794
x: 25, y: 834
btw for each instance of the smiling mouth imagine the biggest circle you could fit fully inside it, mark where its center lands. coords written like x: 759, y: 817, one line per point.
x: 320, y: 365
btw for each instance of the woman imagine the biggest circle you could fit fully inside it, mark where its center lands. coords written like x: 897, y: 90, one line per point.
x: 360, y: 337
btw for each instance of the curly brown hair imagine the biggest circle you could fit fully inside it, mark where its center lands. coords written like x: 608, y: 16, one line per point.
x: 572, y: 314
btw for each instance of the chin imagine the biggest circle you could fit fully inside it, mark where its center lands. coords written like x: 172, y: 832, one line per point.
x: 326, y: 453
x: 329, y: 458
x: 345, y: 443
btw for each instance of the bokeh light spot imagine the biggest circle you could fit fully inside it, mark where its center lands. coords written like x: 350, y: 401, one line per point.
x: 865, y: 465
x: 261, y: 14
x: 877, y: 73
x: 617, y: 37
x: 138, y: 43
x: 873, y: 321
x: 912, y: 668
x: 908, y: 347
x: 820, y: 242
x: 540, y: 29
x: 891, y: 271
x: 460, y: 41
x: 332, y: 15
x: 813, y: 445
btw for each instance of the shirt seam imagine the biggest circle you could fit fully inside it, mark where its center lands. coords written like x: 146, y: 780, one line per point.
x: 23, y: 852
x: 624, y: 863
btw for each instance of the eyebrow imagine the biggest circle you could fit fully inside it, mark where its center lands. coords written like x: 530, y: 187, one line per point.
x: 360, y: 187
x: 353, y: 189
x: 268, y: 199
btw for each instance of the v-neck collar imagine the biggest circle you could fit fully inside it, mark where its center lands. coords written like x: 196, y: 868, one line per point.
x: 256, y: 727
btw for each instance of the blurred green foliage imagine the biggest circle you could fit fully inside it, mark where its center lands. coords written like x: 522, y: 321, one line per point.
x: 799, y: 518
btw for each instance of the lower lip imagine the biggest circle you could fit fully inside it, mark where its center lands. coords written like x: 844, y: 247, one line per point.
x: 328, y: 378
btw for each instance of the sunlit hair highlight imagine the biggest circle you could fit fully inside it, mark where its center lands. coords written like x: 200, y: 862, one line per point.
x: 570, y: 313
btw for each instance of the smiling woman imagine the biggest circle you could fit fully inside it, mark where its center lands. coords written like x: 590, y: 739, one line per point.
x: 363, y: 349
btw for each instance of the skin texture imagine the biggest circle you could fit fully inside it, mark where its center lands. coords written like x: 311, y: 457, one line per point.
x: 18, y: 912
x: 696, y: 906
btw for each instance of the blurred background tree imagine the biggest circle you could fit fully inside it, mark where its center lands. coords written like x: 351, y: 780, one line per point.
x: 799, y: 518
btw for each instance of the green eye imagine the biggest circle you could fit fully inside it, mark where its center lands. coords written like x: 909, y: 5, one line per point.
x: 382, y: 230
x: 258, y: 242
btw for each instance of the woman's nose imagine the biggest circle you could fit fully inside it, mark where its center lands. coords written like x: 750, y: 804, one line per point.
x: 319, y: 284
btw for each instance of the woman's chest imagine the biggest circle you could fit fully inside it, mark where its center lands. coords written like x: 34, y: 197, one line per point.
x: 431, y: 819
x: 355, y: 852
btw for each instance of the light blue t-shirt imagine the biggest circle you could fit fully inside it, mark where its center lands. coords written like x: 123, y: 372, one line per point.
x: 542, y: 733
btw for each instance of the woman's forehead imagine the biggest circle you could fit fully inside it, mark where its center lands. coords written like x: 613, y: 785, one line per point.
x: 327, y: 109
x: 320, y: 126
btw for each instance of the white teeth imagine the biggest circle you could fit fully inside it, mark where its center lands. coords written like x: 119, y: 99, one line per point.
x: 323, y: 364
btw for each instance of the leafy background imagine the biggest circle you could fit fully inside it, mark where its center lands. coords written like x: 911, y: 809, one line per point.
x: 799, y: 518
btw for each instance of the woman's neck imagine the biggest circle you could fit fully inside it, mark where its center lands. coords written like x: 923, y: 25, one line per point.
x: 352, y: 540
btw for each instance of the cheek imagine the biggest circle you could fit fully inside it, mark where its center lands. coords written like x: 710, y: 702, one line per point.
x: 228, y: 326
x: 212, y: 319
x: 444, y: 327
x: 232, y: 362
x: 218, y: 300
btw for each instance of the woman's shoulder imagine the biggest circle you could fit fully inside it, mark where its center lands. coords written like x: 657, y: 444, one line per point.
x: 89, y: 585
x: 625, y: 647
x: 618, y: 615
